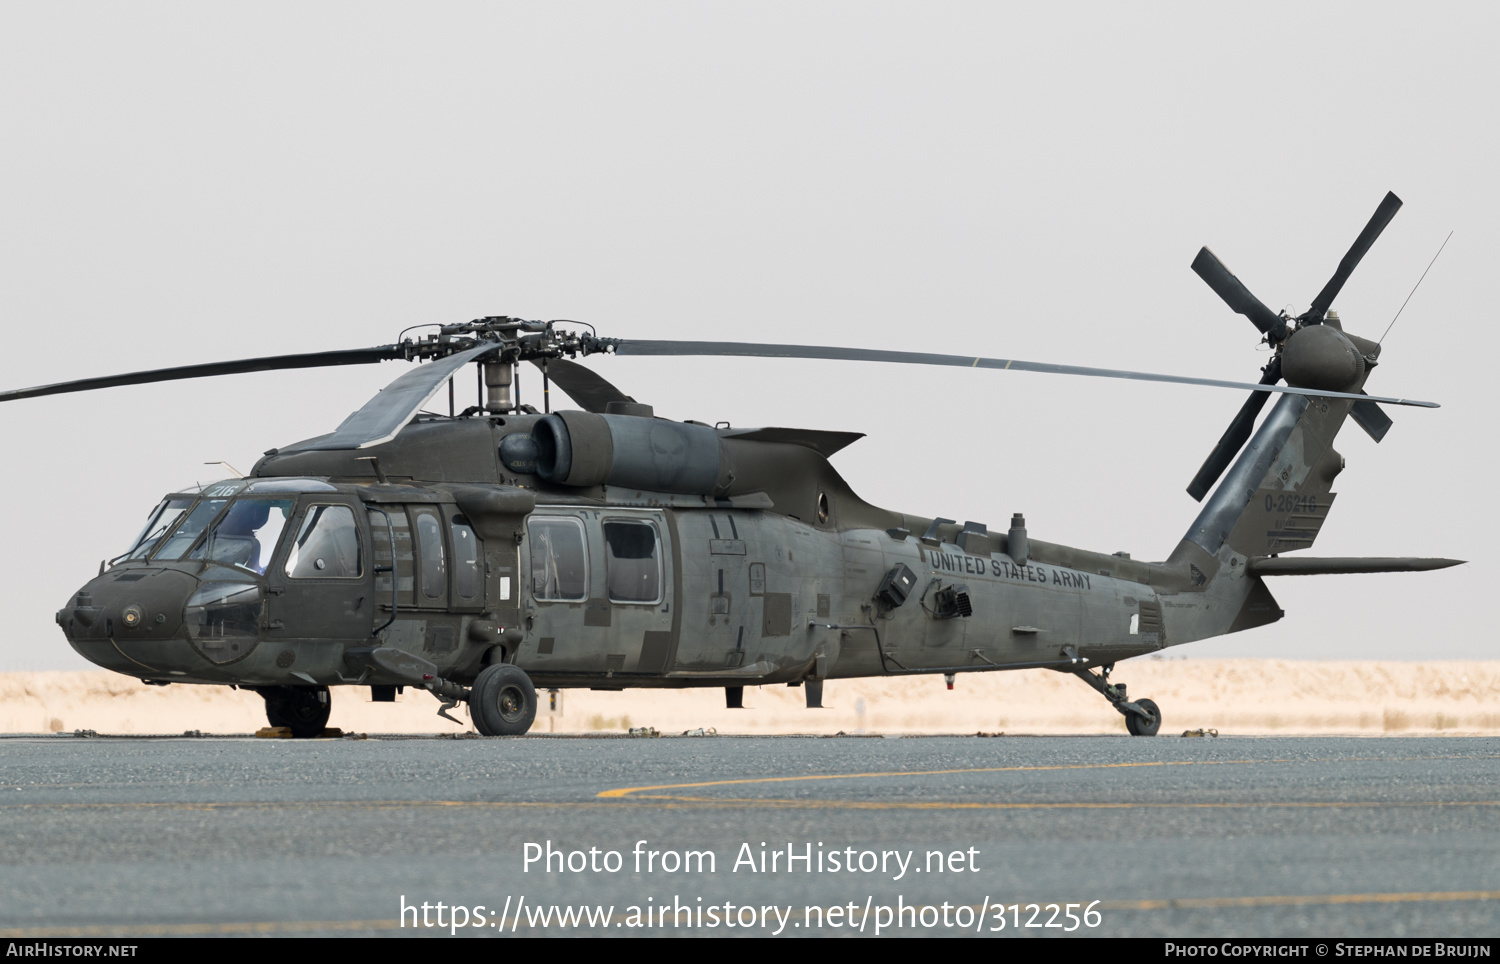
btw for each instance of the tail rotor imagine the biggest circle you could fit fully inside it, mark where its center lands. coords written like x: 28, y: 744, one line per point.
x: 1311, y: 350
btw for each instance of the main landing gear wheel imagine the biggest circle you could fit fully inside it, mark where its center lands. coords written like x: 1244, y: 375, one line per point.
x: 502, y: 701
x: 302, y: 709
x: 1138, y: 726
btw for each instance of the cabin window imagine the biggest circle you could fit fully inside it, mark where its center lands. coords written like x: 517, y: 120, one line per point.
x: 434, y: 573
x: 327, y: 545
x: 390, y: 531
x: 633, y: 563
x: 466, y: 572
x: 559, y: 562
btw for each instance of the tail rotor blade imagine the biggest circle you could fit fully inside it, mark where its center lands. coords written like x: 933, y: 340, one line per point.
x: 1369, y: 416
x: 1235, y: 436
x: 1235, y: 294
x: 1382, y: 217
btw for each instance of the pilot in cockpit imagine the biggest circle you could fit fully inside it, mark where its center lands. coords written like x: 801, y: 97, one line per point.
x: 247, y: 534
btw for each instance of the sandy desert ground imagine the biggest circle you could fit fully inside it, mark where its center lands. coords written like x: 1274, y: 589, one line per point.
x: 1241, y: 696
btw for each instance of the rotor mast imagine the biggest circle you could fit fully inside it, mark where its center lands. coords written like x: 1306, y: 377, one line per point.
x: 499, y: 376
x: 515, y: 340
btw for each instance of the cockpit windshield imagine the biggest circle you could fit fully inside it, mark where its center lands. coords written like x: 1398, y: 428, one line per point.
x: 161, y: 519
x: 181, y: 539
x: 246, y: 535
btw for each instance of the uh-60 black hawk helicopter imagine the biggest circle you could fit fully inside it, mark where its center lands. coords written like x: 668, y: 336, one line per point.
x: 482, y: 554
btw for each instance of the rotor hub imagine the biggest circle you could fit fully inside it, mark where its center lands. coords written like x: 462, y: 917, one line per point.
x: 1321, y: 357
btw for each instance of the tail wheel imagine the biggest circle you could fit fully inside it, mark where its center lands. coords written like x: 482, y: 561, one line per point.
x: 502, y: 701
x: 302, y: 709
x: 1138, y: 726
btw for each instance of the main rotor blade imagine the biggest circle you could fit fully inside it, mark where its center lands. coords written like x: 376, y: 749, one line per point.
x: 321, y: 359
x: 1382, y: 217
x: 583, y: 385
x: 746, y: 349
x: 1235, y: 294
x: 379, y: 419
x: 1235, y: 436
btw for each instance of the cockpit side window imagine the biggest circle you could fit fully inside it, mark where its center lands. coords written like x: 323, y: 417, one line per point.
x: 559, y: 562
x: 327, y: 545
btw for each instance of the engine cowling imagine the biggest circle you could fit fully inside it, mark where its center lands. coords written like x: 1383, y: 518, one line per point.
x: 655, y: 454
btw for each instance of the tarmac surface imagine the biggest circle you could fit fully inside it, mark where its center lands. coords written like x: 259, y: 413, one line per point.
x: 942, y: 836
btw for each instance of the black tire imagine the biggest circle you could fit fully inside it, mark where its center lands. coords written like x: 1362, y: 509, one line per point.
x: 502, y: 701
x: 1138, y: 726
x: 302, y: 709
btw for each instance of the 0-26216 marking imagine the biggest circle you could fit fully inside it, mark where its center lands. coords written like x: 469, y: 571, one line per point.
x: 1291, y: 502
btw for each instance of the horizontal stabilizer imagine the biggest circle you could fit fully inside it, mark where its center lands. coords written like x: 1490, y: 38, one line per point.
x: 823, y: 442
x: 1333, y: 565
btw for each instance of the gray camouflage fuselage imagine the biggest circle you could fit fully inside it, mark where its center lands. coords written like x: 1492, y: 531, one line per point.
x: 772, y: 578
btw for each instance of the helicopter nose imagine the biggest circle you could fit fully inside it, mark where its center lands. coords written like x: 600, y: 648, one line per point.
x: 135, y: 604
x: 129, y: 620
x: 152, y: 621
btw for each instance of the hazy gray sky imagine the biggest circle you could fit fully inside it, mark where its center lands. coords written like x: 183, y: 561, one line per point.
x: 194, y: 182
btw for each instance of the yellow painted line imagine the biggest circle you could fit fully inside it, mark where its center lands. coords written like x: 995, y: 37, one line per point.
x: 665, y: 801
x: 626, y: 791
x: 627, y: 795
x: 951, y: 805
x: 620, y: 792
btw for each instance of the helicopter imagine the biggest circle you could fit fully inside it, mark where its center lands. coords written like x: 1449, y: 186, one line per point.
x: 486, y: 553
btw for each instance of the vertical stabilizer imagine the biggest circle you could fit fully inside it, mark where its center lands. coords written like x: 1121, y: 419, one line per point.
x: 1272, y: 500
